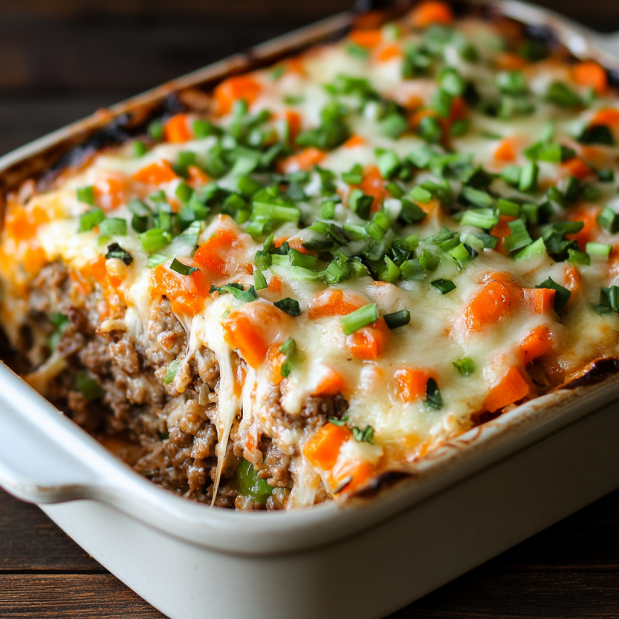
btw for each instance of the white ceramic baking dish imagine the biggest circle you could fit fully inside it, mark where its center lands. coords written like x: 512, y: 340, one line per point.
x: 463, y: 504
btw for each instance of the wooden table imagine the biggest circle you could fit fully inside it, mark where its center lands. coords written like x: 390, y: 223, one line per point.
x: 60, y: 60
x: 569, y: 570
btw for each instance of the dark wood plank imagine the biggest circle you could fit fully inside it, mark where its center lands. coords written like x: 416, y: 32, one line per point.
x: 30, y: 542
x: 77, y: 596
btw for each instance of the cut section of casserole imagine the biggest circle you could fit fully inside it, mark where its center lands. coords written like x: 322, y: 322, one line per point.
x: 342, y: 262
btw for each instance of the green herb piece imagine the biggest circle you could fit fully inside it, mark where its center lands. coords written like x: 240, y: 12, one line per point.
x: 459, y: 127
x: 288, y: 305
x: 430, y: 129
x: 354, y: 176
x: 388, y: 164
x: 600, y: 250
x: 428, y: 260
x: 533, y: 51
x: 561, y: 94
x: 410, y: 213
x: 362, y: 317
x: 511, y: 175
x: 576, y: 256
x: 444, y: 286
x: 113, y: 226
x: 276, y: 212
x: 155, y: 260
x: 154, y: 239
x: 441, y: 103
x: 562, y: 295
x: 485, y: 218
x: 90, y: 219
x: 528, y: 177
x: 88, y: 387
x: 116, y: 251
x: 461, y: 255
x: 511, y: 82
x: 465, y: 366
x: 519, y: 236
x: 397, y: 319
x: 172, y: 371
x: 419, y: 194
x: 434, y: 399
x: 509, y: 208
x: 86, y: 195
x: 390, y: 272
x: 477, y: 198
x: 360, y: 203
x: 412, y: 270
x: 609, y: 300
x: 203, y: 128
x: 357, y: 51
x: 607, y: 175
x: 327, y: 209
x: 451, y: 82
x: 395, y: 190
x: 393, y: 125
x: 260, y: 282
x: 288, y: 348
x: 537, y: 248
x: 597, y: 134
x: 182, y: 269
x: 184, y: 192
x: 155, y: 130
x: 278, y: 72
x: 338, y: 422
x: 249, y: 483
x: 364, y: 436
x: 139, y: 148
x: 609, y: 220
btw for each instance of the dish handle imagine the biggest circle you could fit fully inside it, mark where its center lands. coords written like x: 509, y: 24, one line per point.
x: 41, y: 450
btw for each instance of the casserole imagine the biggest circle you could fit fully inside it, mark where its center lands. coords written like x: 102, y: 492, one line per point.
x: 437, y: 458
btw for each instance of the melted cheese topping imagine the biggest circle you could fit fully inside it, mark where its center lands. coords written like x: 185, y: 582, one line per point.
x: 494, y: 316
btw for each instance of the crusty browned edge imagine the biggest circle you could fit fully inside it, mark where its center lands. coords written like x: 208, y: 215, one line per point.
x: 596, y: 372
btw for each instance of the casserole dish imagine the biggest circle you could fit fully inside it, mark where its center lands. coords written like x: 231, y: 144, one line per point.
x: 434, y: 463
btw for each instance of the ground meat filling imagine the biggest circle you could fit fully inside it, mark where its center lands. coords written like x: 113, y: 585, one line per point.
x: 168, y: 436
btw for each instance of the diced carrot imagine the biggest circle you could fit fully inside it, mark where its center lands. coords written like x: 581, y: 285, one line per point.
x: 536, y: 344
x: 490, y: 305
x: 295, y: 65
x: 417, y: 117
x: 389, y: 52
x: 297, y: 244
x: 539, y: 300
x: 505, y: 151
x: 254, y: 328
x: 34, y: 259
x: 197, y: 177
x: 606, y: 116
x: 97, y: 269
x: 361, y: 473
x: 368, y: 342
x: 22, y: 222
x: 613, y: 262
x: 323, y: 447
x: 411, y: 383
x: 354, y: 141
x: 330, y: 383
x: 591, y: 74
x: 334, y: 302
x: 502, y: 229
x: 220, y: 254
x: 431, y: 12
x: 577, y: 167
x: 588, y: 215
x: 303, y: 160
x: 373, y: 185
x: 366, y: 38
x: 275, y: 362
x: 294, y: 121
x: 156, y: 173
x: 110, y: 190
x: 572, y: 280
x: 510, y: 62
x: 511, y: 388
x: 177, y: 129
x: 186, y: 293
x: 234, y: 88
x: 275, y: 284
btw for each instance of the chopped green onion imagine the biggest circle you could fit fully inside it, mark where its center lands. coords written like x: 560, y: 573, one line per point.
x: 203, y: 128
x: 262, y: 259
x: 537, y: 248
x: 155, y: 130
x: 360, y: 203
x: 609, y: 220
x: 528, y: 177
x: 237, y: 291
x: 578, y: 257
x: 511, y: 82
x: 388, y: 164
x: 288, y: 305
x: 173, y: 369
x: 419, y: 194
x: 90, y: 219
x: 327, y: 209
x: 519, y: 236
x: 116, y: 251
x: 444, y: 286
x: 88, y: 387
x: 154, y: 239
x: 360, y: 318
x: 113, y: 226
x: 276, y: 212
x: 395, y: 190
x: 86, y: 195
x: 562, y: 295
x: 562, y: 95
x: 485, y: 218
x: 428, y: 260
x: 260, y: 282
x: 412, y: 270
x: 390, y: 273
x: 155, y: 260
x: 597, y: 134
x: 434, y: 399
x: 465, y: 366
x: 184, y: 192
x: 355, y: 176
x: 139, y: 148
x: 397, y: 319
x: 298, y: 259
x: 478, y: 198
x: 601, y: 250
x: 364, y: 436
x: 410, y: 213
x: 609, y: 300
x: 393, y: 125
x: 509, y: 208
x: 607, y: 175
x: 430, y: 129
x: 182, y: 269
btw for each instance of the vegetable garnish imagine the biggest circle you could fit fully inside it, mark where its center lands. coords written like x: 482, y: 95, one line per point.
x: 366, y: 435
x: 182, y: 269
x: 562, y: 294
x: 360, y: 318
x: 90, y: 219
x: 116, y: 251
x: 288, y: 305
x: 397, y: 319
x: 444, y: 286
